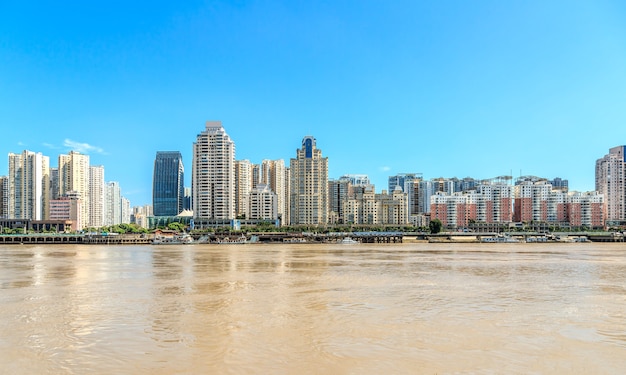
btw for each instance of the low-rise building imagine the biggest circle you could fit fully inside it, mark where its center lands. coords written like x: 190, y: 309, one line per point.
x: 263, y: 203
x: 68, y: 207
x: 534, y: 202
x: 586, y: 210
x: 367, y: 207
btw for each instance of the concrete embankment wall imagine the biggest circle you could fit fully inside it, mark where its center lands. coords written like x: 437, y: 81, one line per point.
x: 59, y: 239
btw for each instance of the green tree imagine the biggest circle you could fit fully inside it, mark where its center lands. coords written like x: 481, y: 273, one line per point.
x: 435, y: 226
x: 117, y: 229
x: 176, y: 226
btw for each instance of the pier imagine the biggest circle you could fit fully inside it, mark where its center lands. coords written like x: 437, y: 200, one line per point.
x: 362, y: 237
x: 313, y: 237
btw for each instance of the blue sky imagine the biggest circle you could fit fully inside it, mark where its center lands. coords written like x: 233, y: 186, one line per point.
x: 443, y: 88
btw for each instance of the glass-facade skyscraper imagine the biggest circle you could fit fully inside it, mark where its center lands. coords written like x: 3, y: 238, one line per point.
x: 168, y: 190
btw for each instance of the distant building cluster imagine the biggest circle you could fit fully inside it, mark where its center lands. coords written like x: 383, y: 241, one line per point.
x: 227, y: 191
x: 459, y: 203
x: 529, y: 202
x: 73, y: 196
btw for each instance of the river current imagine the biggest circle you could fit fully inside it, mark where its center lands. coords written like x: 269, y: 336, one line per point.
x: 313, y: 309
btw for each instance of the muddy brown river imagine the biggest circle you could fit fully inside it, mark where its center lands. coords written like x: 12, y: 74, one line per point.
x: 313, y: 309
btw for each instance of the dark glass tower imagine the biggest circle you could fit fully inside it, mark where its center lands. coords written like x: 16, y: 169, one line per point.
x: 168, y: 189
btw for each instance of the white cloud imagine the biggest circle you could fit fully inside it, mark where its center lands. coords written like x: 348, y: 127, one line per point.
x: 385, y: 169
x: 50, y: 145
x: 83, y: 148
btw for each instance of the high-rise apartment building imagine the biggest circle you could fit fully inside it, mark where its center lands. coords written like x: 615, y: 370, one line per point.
x: 339, y: 192
x: 256, y: 174
x: 611, y: 182
x: 213, y: 174
x: 556, y: 206
x: 498, y: 203
x: 74, y: 176
x: 243, y: 186
x: 4, y: 197
x: 273, y: 175
x: 402, y: 180
x: 409, y: 184
x: 286, y: 219
x: 309, y: 185
x: 412, y: 191
x: 443, y: 185
x: 28, y: 186
x: 113, y: 204
x: 455, y: 210
x: 586, y: 210
x: 126, y: 210
x: 54, y: 183
x: 168, y: 184
x: 426, y: 189
x: 531, y: 201
x: 264, y: 172
x: 96, y: 195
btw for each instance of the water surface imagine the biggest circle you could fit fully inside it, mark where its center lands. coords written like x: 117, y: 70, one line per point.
x: 313, y: 309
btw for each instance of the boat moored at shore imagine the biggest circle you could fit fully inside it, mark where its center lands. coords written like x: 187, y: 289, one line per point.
x: 348, y: 241
x: 176, y: 239
x: 500, y: 239
x: 232, y: 240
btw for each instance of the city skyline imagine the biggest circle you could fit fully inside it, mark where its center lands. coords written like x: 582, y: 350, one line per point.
x: 384, y: 183
x: 455, y: 89
x: 220, y: 185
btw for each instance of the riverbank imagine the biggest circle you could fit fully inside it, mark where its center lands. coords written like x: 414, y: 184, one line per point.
x: 313, y: 238
x: 146, y: 239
